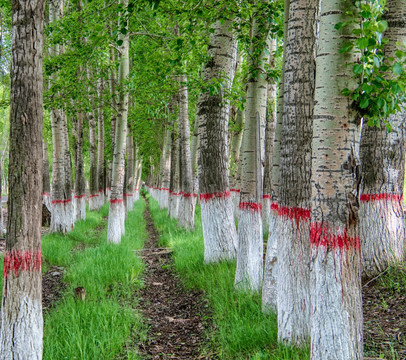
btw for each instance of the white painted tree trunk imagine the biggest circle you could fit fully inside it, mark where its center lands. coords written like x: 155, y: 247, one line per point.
x: 116, y: 219
x: 335, y: 280
x: 220, y: 243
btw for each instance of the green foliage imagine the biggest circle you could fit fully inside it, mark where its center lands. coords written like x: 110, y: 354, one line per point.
x: 242, y: 330
x: 381, y: 80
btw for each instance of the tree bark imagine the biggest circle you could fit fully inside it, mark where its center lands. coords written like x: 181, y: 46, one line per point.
x: 269, y: 291
x: 293, y: 296
x: 187, y: 204
x: 116, y: 218
x: 249, y: 269
x: 46, y: 182
x: 101, y: 180
x: 335, y: 280
x: 174, y: 188
x: 128, y: 195
x: 80, y: 186
x: 93, y: 186
x: 21, y: 314
x: 220, y: 237
x: 382, y: 224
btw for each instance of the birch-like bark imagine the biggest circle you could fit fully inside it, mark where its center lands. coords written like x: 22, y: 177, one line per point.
x: 166, y: 162
x: 115, y: 228
x: 269, y: 291
x: 21, y: 328
x: 293, y: 296
x: 335, y: 280
x: 249, y: 269
x: 93, y: 186
x: 382, y: 224
x: 69, y: 215
x: 194, y: 155
x: 220, y: 237
x: 101, y: 170
x: 46, y: 182
x: 187, y: 204
x: 79, y: 191
x: 129, y: 183
x: 174, y: 188
x: 269, y: 140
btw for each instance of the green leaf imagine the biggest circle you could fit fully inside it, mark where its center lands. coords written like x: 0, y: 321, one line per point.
x: 377, y: 63
x: 346, y: 47
x: 346, y: 92
x: 339, y: 25
x: 382, y: 26
x: 357, y: 69
x: 364, y: 103
x: 367, y: 88
x: 397, y: 68
x: 362, y: 43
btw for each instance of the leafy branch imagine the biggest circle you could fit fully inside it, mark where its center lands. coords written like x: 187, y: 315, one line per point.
x: 381, y: 80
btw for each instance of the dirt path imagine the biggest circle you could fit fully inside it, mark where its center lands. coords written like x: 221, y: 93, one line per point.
x: 174, y: 314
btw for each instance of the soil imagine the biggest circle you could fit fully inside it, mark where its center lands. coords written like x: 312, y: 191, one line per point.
x: 384, y: 321
x: 52, y: 287
x: 175, y: 315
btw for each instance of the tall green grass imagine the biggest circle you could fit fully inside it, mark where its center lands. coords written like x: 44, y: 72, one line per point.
x: 242, y: 331
x: 106, y: 323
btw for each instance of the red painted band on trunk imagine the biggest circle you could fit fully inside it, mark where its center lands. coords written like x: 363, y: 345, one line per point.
x: 92, y: 196
x: 294, y: 213
x: 19, y: 260
x: 136, y: 189
x: 377, y: 197
x: 102, y: 190
x: 322, y: 235
x: 165, y: 189
x: 46, y: 194
x: 189, y: 195
x: 274, y: 205
x: 79, y: 196
x: 256, y: 207
x: 266, y: 196
x: 128, y: 194
x: 61, y: 201
x: 235, y: 190
x: 206, y: 197
x: 176, y: 194
x: 116, y: 201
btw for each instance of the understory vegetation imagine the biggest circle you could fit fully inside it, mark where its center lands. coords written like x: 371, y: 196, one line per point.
x: 241, y: 330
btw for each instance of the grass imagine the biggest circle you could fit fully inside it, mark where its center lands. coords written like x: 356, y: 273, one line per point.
x: 106, y: 324
x: 242, y: 331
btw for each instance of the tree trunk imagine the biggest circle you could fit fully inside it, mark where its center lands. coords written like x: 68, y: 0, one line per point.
x: 269, y: 140
x: 80, y: 186
x: 113, y: 79
x: 220, y: 237
x: 68, y: 174
x: 129, y: 196
x: 293, y: 296
x: 269, y: 295
x: 335, y: 280
x: 249, y: 269
x: 174, y: 188
x: 21, y: 314
x: 194, y: 154
x: 93, y: 186
x: 46, y: 183
x: 382, y: 224
x: 187, y: 204
x: 117, y: 212
x: 101, y: 180
x: 235, y: 166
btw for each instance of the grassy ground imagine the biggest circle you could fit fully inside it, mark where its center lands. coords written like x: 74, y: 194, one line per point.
x: 106, y: 324
x: 241, y: 330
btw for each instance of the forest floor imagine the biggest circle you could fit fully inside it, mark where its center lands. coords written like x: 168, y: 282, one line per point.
x: 177, y: 318
x: 174, y: 314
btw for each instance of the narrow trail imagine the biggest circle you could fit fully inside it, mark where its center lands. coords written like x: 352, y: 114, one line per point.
x: 175, y: 315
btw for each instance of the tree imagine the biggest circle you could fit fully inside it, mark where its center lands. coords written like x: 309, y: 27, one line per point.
x: 212, y: 114
x: 335, y: 280
x: 21, y: 314
x: 116, y: 211
x: 293, y: 296
x: 187, y: 204
x: 250, y: 238
x: 382, y: 225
